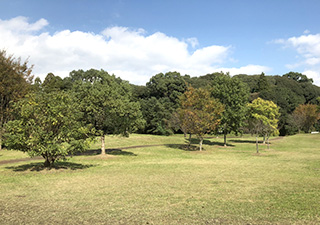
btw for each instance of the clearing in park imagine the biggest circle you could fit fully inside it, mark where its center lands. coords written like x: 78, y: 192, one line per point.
x: 163, y: 183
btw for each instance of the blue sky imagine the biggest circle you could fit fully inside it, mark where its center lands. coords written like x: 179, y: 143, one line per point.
x: 138, y: 39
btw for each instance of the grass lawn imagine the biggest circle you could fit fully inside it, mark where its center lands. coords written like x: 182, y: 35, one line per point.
x: 168, y: 185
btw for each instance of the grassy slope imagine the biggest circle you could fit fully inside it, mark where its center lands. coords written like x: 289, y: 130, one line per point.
x: 166, y: 185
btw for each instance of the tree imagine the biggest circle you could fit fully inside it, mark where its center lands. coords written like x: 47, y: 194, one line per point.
x: 106, y: 103
x: 305, y: 116
x: 299, y: 77
x: 47, y: 125
x: 262, y: 117
x: 15, y: 83
x: 200, y: 113
x: 263, y: 84
x: 234, y: 95
x: 161, y: 100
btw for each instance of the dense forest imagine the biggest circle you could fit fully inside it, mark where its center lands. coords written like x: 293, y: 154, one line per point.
x: 41, y: 116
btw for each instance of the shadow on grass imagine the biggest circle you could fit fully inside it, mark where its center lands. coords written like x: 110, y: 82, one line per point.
x: 57, y: 166
x: 184, y: 147
x: 195, y: 145
x: 246, y: 141
x: 113, y: 151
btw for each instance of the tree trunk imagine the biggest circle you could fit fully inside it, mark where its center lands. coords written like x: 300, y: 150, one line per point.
x: 49, y: 162
x: 257, y: 145
x: 189, y: 145
x: 200, y: 144
x: 103, y: 146
x: 225, y: 136
x: 0, y: 142
x: 264, y: 139
x: 268, y: 141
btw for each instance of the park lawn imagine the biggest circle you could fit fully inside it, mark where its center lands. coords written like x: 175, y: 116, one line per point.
x: 168, y: 185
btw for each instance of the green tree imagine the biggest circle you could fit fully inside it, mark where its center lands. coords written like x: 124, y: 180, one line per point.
x: 234, y: 95
x: 106, y: 102
x: 263, y: 84
x: 262, y: 117
x: 305, y: 116
x: 299, y: 77
x: 160, y: 100
x: 200, y: 113
x: 15, y: 83
x: 47, y: 125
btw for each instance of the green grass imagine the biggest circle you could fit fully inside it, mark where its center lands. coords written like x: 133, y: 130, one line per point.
x: 168, y: 185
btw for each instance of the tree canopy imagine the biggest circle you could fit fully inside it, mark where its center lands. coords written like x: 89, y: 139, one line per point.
x: 234, y: 94
x: 106, y: 103
x: 15, y: 83
x: 262, y: 117
x: 47, y: 125
x: 200, y: 113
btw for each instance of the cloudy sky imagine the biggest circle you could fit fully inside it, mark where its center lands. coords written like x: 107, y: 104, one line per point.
x: 136, y: 39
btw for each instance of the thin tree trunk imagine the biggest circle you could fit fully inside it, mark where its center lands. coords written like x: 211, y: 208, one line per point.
x: 103, y: 146
x: 189, y: 145
x: 225, y: 136
x: 268, y: 141
x: 200, y: 144
x: 264, y: 139
x: 257, y: 145
x: 0, y: 142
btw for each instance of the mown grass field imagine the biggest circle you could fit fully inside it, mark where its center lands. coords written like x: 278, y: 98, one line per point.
x: 168, y: 185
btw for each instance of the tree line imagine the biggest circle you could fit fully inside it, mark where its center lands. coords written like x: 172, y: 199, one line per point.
x: 57, y: 117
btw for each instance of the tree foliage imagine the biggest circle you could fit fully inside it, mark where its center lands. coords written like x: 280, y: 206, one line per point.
x: 15, y: 82
x: 305, y: 116
x: 263, y: 116
x: 47, y: 125
x: 234, y: 94
x: 106, y: 103
x: 200, y: 113
x: 161, y: 100
x: 299, y: 77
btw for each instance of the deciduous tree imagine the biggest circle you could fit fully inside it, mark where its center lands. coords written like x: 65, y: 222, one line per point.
x: 234, y: 95
x: 47, y: 125
x: 263, y: 116
x: 200, y: 113
x: 305, y: 116
x: 106, y: 103
x: 15, y: 83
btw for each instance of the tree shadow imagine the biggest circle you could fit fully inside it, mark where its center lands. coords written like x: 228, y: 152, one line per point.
x: 195, y: 145
x: 246, y: 141
x: 119, y: 152
x: 57, y: 166
x: 207, y: 142
x: 110, y: 151
x: 184, y: 147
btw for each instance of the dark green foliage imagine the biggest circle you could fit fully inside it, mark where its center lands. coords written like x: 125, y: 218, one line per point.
x: 157, y: 113
x: 15, y: 83
x: 299, y: 77
x: 47, y: 125
x: 234, y: 94
x: 161, y: 100
x: 170, y: 85
x: 287, y: 92
x: 106, y: 102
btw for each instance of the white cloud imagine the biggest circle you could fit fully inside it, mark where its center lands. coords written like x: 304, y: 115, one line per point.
x: 308, y: 49
x: 306, y: 31
x: 131, y: 54
x: 315, y: 75
x: 249, y: 69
